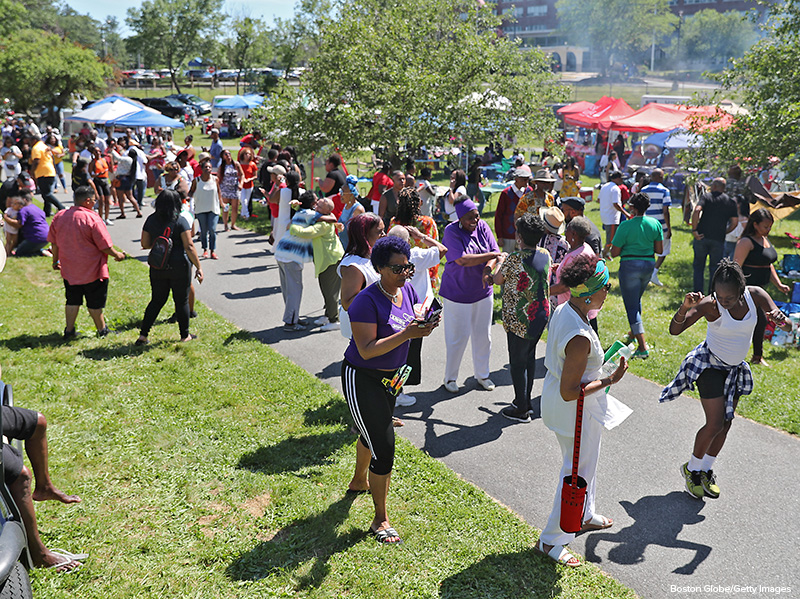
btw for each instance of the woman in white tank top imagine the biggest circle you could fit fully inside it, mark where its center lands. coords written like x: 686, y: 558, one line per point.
x: 717, y: 365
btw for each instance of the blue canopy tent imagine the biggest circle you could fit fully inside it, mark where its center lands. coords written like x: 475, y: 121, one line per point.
x: 145, y: 118
x: 675, y: 139
x: 239, y: 102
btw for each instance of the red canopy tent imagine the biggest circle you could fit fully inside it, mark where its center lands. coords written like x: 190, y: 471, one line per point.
x: 601, y: 115
x: 574, y: 108
x: 655, y: 118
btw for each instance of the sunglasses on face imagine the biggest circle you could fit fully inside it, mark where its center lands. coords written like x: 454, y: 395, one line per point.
x: 403, y: 268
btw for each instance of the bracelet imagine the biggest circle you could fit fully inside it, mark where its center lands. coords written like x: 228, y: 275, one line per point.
x: 679, y: 321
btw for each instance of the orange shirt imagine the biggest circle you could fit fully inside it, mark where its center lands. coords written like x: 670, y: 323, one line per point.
x: 100, y: 168
x: 249, y: 171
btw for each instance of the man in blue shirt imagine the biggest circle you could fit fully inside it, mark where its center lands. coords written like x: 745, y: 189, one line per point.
x: 660, y: 201
x: 216, y: 148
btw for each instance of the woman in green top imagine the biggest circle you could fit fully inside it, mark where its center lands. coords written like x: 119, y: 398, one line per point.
x: 635, y: 241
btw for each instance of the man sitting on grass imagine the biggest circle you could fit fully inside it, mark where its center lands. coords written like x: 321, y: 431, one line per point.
x: 31, y: 427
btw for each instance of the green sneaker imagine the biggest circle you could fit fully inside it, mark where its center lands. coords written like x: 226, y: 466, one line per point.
x: 709, y: 481
x: 694, y: 483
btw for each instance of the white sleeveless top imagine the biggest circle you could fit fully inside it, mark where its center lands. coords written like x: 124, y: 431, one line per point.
x: 205, y: 196
x: 370, y: 276
x: 728, y: 338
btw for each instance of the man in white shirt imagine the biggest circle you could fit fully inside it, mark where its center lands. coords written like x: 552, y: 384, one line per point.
x: 610, y: 200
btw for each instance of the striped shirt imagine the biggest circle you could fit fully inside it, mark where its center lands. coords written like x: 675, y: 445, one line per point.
x: 659, y: 198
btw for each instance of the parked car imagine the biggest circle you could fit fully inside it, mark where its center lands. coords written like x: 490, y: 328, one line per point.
x: 198, y: 74
x: 200, y: 106
x: 170, y: 107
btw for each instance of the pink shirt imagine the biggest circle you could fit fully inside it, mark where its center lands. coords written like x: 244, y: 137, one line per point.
x: 563, y: 298
x: 81, y: 237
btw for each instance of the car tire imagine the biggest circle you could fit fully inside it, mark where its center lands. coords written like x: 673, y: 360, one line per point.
x: 17, y: 585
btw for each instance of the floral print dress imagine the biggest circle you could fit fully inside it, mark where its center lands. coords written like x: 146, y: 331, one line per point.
x: 525, y: 293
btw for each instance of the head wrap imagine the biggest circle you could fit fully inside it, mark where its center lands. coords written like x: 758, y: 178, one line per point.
x: 351, y: 183
x: 593, y: 283
x: 464, y: 207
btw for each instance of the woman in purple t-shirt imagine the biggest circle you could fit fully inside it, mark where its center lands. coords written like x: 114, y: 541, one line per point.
x: 384, y: 321
x: 467, y: 290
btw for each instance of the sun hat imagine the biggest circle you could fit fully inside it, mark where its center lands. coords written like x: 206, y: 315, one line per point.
x: 544, y: 174
x: 553, y: 219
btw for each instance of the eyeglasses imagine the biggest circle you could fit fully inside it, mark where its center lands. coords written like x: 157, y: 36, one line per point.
x: 403, y: 268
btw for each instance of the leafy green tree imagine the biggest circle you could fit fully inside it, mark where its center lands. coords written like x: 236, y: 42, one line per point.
x: 38, y: 68
x: 168, y: 32
x: 298, y: 39
x: 248, y: 45
x: 15, y: 17
x: 413, y: 72
x: 713, y: 37
x: 113, y: 45
x: 767, y: 81
x: 616, y: 29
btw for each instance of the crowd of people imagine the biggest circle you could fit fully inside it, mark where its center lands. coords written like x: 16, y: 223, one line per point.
x: 377, y: 260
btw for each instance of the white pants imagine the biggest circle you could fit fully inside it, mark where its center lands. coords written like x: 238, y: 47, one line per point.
x: 244, y: 200
x: 463, y: 322
x: 587, y: 469
x: 508, y: 245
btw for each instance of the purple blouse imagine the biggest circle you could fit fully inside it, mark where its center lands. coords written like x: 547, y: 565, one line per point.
x: 464, y: 284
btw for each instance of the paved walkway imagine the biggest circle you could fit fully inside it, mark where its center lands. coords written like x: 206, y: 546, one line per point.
x: 662, y: 542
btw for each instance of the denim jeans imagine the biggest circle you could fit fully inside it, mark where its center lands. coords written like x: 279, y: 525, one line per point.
x: 634, y: 276
x: 139, y: 187
x: 706, y: 249
x: 208, y: 229
x: 730, y: 247
x: 522, y: 364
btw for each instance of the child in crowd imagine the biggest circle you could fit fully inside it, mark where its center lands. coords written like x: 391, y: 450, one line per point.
x: 13, y: 206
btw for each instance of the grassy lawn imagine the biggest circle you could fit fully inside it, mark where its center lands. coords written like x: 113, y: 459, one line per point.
x: 217, y: 469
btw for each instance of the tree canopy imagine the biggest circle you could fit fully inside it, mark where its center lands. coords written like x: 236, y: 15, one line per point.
x: 168, y: 32
x: 616, y: 30
x: 767, y: 80
x: 41, y: 69
x: 714, y: 37
x: 413, y: 72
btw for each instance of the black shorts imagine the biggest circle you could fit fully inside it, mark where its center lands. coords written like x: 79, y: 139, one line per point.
x: 102, y: 186
x: 711, y: 383
x: 371, y: 406
x: 95, y: 293
x: 18, y: 423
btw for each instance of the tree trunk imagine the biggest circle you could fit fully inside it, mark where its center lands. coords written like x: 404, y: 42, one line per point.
x: 174, y: 80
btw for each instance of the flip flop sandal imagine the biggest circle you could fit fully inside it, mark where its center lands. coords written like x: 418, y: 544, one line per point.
x: 78, y: 557
x: 597, y: 522
x: 558, y: 553
x: 382, y: 536
x: 357, y: 492
x: 64, y: 563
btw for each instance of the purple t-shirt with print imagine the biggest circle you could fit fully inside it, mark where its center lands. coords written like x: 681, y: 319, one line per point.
x: 33, y: 224
x: 372, y: 306
x: 464, y: 284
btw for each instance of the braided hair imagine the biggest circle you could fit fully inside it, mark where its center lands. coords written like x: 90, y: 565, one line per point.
x: 729, y: 273
x: 408, y: 207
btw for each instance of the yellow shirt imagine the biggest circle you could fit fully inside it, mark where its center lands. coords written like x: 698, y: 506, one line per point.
x: 45, y: 167
x: 58, y: 153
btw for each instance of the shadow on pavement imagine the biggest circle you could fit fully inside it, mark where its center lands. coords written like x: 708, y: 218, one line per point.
x: 248, y: 270
x: 512, y: 575
x: 313, y: 538
x: 658, y: 520
x: 252, y: 293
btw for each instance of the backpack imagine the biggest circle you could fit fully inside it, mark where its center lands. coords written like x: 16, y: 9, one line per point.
x: 158, y: 257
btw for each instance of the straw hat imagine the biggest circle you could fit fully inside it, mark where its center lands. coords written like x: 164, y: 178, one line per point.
x: 553, y: 219
x: 544, y: 174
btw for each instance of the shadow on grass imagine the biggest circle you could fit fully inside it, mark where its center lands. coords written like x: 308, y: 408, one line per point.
x: 238, y: 336
x: 658, y: 520
x: 295, y: 453
x: 31, y: 341
x: 513, y: 575
x: 311, y: 538
x: 333, y: 412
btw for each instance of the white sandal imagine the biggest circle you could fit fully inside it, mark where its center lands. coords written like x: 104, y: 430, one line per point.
x: 558, y: 553
x: 597, y: 522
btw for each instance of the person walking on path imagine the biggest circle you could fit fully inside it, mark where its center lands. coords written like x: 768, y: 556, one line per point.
x: 177, y: 277
x: 43, y: 170
x: 660, y: 202
x: 467, y: 291
x: 717, y: 365
x: 714, y: 216
x: 757, y: 257
x: 81, y: 245
x: 574, y: 358
x: 611, y: 208
x: 230, y: 179
x: 635, y: 241
x: 207, y: 205
x: 524, y: 276
x: 383, y: 321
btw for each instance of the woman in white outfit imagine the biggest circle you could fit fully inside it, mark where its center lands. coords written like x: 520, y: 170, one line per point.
x: 572, y: 341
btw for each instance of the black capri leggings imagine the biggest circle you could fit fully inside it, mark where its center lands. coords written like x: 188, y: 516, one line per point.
x: 371, y: 406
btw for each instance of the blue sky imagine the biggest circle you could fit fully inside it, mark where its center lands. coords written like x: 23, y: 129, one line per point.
x: 266, y: 9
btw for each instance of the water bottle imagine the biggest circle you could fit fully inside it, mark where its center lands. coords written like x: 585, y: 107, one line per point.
x: 612, y: 358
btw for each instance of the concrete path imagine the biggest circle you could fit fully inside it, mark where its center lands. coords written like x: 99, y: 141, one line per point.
x: 663, y: 543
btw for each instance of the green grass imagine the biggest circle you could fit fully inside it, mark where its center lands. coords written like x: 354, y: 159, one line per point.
x: 217, y: 469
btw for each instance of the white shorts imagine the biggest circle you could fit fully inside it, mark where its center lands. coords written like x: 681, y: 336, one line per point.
x: 667, y: 247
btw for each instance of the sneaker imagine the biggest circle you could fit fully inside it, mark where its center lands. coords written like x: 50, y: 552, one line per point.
x: 654, y: 280
x: 70, y: 334
x: 192, y: 314
x: 641, y: 353
x: 322, y: 321
x: 109, y: 222
x: 405, y: 400
x: 103, y: 332
x: 694, y: 483
x: 515, y: 414
x: 451, y: 386
x: 486, y: 384
x: 172, y: 319
x: 292, y: 328
x: 331, y: 326
x: 709, y: 481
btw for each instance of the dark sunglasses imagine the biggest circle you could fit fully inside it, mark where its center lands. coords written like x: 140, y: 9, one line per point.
x: 403, y: 268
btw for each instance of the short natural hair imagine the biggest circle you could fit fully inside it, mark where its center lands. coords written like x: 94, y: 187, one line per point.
x: 580, y: 226
x: 640, y: 202
x: 385, y: 248
x: 83, y: 193
x: 530, y: 228
x: 401, y: 232
x: 335, y: 160
x: 579, y: 270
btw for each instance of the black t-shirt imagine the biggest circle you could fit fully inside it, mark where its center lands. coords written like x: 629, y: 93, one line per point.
x: 338, y: 181
x: 155, y: 227
x: 594, y: 240
x: 10, y: 187
x: 718, y: 209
